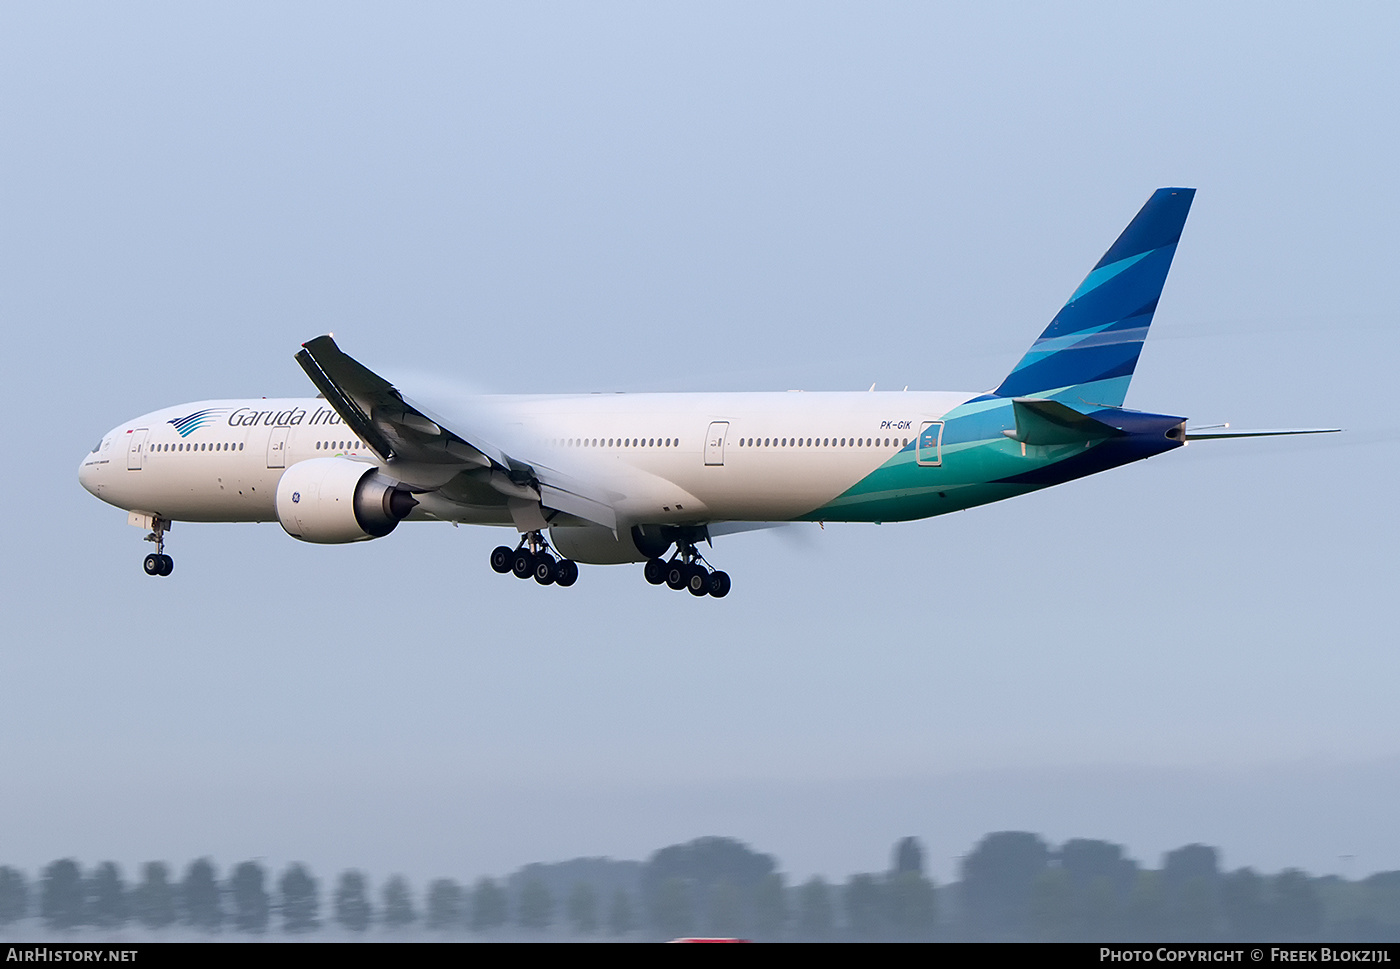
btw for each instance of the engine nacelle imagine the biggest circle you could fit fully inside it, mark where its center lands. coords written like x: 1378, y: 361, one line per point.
x: 330, y: 501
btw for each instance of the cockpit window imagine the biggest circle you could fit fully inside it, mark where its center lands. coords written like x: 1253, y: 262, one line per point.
x: 97, y: 447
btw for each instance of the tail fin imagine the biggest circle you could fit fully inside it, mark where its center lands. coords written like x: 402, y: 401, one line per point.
x: 1088, y: 352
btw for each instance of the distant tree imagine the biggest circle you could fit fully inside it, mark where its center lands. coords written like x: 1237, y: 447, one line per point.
x: 910, y: 904
x: 14, y: 895
x: 998, y: 877
x: 726, y: 910
x: 604, y: 875
x: 815, y: 912
x: 301, y: 900
x: 1191, y: 885
x: 248, y: 894
x: 200, y: 902
x: 1100, y: 879
x: 1100, y: 909
x: 61, y: 900
x: 153, y: 900
x: 583, y: 908
x: 488, y: 905
x: 908, y: 857
x: 1379, y: 907
x: 444, y: 905
x: 770, y: 913
x: 398, y: 904
x: 699, y: 865
x: 108, y: 904
x: 864, y: 901
x: 1243, y: 906
x: 1297, y: 906
x: 1084, y: 859
x: 1146, y: 914
x: 352, y: 909
x: 671, y: 907
x: 536, y: 907
x: 1193, y: 911
x: 1190, y: 861
x: 622, y: 918
x: 1052, y: 906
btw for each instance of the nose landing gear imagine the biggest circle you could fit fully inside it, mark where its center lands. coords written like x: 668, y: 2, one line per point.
x: 532, y: 559
x: 158, y: 563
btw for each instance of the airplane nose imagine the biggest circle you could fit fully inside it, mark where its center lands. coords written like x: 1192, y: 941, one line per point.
x: 89, y: 472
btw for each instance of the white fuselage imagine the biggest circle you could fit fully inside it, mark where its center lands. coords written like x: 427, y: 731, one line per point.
x: 664, y: 457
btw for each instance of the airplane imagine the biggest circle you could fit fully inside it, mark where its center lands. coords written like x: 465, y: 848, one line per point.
x: 629, y: 478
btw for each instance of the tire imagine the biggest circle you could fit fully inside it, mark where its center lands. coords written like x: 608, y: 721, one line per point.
x: 522, y: 563
x: 698, y: 581
x: 502, y: 558
x: 655, y: 571
x: 676, y: 575
x: 719, y: 584
x: 544, y: 569
x: 167, y: 565
x: 565, y: 572
x: 152, y: 564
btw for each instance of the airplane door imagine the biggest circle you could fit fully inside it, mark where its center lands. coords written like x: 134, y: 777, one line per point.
x: 136, y: 449
x: 277, y: 448
x: 714, y: 444
x: 930, y: 447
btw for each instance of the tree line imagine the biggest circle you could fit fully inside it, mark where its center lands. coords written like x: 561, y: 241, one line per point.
x: 1012, y: 886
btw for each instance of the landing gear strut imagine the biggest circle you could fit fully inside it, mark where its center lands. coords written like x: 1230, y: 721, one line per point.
x: 158, y: 563
x: 687, y: 570
x: 532, y: 559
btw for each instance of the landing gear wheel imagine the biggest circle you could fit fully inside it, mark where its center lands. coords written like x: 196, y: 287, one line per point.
x: 676, y: 575
x: 502, y: 558
x: 523, y: 564
x: 158, y: 563
x: 719, y: 584
x: 698, y: 581
x: 565, y: 572
x: 544, y: 568
x: 655, y: 571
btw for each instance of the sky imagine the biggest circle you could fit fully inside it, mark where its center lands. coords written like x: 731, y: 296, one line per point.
x: 643, y: 197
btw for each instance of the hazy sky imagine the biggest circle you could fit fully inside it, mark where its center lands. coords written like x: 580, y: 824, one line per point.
x: 640, y: 197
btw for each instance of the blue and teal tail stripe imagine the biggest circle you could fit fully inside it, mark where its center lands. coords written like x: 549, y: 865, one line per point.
x: 1089, y: 351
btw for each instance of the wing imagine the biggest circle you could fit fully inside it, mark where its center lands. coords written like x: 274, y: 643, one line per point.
x: 424, y: 453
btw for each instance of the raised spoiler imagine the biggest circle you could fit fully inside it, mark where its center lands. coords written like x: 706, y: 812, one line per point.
x: 399, y: 431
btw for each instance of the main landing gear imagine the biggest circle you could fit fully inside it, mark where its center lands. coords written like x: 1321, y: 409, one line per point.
x: 158, y: 563
x: 532, y: 559
x: 687, y: 570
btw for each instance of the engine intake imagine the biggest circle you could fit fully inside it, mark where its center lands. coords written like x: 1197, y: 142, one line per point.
x: 331, y: 501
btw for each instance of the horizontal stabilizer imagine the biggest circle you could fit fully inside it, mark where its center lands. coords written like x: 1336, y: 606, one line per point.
x: 1220, y: 432
x: 1051, y: 422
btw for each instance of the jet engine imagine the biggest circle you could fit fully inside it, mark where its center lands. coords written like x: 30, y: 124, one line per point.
x: 330, y: 501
